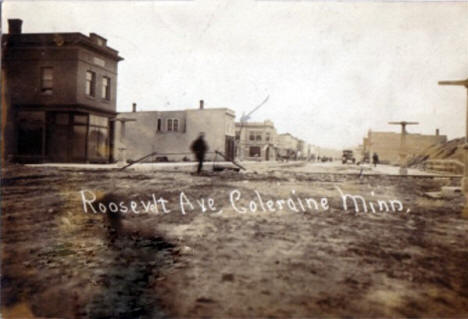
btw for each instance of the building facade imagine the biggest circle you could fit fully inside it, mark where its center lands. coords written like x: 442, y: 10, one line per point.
x: 387, y: 144
x: 171, y: 133
x: 288, y: 146
x: 256, y: 141
x: 58, y: 96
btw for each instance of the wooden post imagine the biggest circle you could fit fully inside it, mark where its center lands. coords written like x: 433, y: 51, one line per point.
x: 122, y: 160
x: 465, y: 146
x: 403, y: 149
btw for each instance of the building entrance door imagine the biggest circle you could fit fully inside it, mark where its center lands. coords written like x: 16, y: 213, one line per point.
x: 229, y: 148
x: 57, y: 139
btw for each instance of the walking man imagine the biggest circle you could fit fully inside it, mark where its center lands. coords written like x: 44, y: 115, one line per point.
x: 199, y: 148
x: 375, y: 159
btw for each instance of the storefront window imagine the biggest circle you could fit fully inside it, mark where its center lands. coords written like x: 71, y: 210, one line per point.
x: 254, y: 151
x: 98, y: 148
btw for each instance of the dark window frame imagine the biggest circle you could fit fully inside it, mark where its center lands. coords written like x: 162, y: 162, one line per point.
x: 90, y: 88
x: 106, y: 88
x: 47, y: 85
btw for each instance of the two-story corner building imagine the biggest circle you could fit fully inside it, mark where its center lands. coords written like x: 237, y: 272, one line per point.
x: 256, y: 140
x: 288, y: 146
x: 170, y: 133
x: 58, y: 96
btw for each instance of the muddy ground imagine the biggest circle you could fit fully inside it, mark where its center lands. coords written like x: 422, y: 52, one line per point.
x: 58, y: 261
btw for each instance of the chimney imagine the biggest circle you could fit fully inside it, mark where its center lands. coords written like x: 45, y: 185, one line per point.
x: 14, y: 26
x: 96, y: 38
x: 133, y: 107
x: 437, y: 132
x: 201, y: 105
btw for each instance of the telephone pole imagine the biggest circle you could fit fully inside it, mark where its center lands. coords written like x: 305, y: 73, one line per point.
x: 122, y: 148
x: 403, y: 150
x: 465, y: 147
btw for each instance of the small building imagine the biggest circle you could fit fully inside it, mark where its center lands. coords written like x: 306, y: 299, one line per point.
x: 256, y: 140
x: 171, y: 133
x: 58, y: 96
x: 309, y: 151
x: 288, y: 146
x: 387, y: 144
x: 301, y: 149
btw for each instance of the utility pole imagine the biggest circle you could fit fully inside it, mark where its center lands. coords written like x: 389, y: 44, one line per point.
x: 121, y: 146
x: 369, y: 141
x: 403, y: 150
x: 243, y: 120
x: 465, y: 147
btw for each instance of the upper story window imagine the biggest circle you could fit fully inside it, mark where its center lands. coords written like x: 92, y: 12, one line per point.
x: 90, y: 83
x: 267, y: 137
x: 106, y: 85
x: 47, y: 80
x: 255, y: 135
x: 258, y: 135
x: 172, y: 125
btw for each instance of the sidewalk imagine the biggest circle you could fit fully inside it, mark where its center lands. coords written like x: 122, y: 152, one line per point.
x: 138, y: 166
x: 339, y: 168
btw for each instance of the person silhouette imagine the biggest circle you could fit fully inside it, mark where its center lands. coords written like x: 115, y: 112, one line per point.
x: 199, y: 148
x: 375, y: 159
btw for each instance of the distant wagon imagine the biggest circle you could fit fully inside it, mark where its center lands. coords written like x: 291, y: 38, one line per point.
x: 348, y: 156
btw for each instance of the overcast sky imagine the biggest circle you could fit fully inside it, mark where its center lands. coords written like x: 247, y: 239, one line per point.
x: 332, y: 70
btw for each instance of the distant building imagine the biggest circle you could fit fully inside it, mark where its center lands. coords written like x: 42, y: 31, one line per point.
x: 301, y: 149
x: 256, y: 140
x: 387, y: 144
x: 309, y: 151
x: 171, y: 133
x: 288, y: 146
x: 58, y: 96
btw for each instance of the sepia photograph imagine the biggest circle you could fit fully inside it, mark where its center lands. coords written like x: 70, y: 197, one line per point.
x: 234, y: 159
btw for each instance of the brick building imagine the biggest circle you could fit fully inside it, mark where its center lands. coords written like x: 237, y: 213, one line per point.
x: 58, y: 96
x: 387, y: 144
x: 171, y: 133
x: 256, y: 141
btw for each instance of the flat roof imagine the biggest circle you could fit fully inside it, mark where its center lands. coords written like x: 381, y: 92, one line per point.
x: 59, y: 39
x: 184, y: 110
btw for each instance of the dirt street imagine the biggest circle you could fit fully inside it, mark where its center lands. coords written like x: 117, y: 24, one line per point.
x: 274, y: 242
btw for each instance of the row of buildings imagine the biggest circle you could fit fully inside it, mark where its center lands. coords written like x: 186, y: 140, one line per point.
x: 260, y: 140
x: 169, y: 134
x: 59, y: 105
